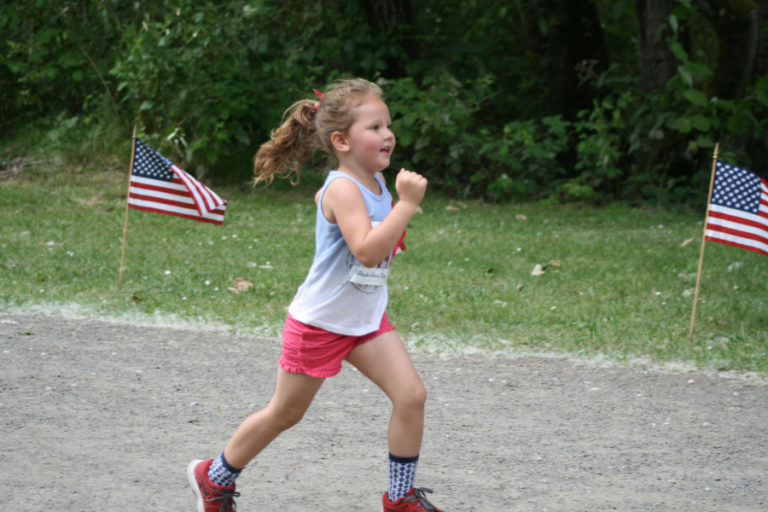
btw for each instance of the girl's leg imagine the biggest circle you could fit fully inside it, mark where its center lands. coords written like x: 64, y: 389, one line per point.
x: 386, y: 362
x: 293, y: 394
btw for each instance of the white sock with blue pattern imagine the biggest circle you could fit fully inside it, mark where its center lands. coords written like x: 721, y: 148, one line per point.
x: 402, y: 472
x: 221, y: 473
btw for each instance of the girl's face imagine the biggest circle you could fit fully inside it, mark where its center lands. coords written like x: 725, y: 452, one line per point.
x: 370, y: 138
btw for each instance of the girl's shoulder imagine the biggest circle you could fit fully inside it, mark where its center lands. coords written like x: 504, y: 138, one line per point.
x: 353, y: 185
x: 341, y: 183
x: 333, y: 178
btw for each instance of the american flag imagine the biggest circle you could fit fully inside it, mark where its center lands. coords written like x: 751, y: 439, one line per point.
x: 157, y: 185
x: 738, y: 211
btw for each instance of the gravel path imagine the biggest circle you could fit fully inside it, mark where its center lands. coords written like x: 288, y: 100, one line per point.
x: 105, y: 416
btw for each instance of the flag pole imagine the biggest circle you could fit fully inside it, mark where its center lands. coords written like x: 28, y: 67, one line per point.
x: 127, y: 209
x: 703, y: 241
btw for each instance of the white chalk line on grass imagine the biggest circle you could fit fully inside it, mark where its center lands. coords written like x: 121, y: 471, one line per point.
x: 439, y: 345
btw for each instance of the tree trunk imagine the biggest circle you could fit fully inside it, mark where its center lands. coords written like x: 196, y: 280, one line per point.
x: 657, y: 64
x: 735, y: 23
x: 761, y: 55
x: 575, y: 49
x: 395, y: 17
x: 388, y: 14
x: 757, y: 148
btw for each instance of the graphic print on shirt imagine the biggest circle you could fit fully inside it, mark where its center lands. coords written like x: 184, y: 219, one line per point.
x: 367, y: 279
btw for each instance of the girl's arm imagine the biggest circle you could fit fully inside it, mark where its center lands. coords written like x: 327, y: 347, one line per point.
x: 343, y: 204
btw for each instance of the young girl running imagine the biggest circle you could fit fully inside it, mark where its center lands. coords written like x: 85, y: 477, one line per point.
x: 339, y: 312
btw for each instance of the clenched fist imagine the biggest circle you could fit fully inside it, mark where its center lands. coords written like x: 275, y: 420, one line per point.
x: 410, y: 186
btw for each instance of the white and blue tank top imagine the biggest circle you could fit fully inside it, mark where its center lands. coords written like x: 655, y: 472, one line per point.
x: 340, y: 294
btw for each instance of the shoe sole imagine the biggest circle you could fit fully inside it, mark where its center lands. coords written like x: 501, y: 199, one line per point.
x: 193, y: 484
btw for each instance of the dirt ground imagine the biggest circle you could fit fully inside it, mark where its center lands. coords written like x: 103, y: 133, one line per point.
x: 98, y: 415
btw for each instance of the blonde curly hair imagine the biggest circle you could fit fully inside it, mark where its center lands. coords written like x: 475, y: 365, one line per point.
x: 307, y: 125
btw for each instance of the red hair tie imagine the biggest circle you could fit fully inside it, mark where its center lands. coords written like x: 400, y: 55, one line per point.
x: 320, y: 96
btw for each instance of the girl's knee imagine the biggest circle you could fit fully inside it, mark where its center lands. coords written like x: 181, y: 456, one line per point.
x: 420, y: 394
x: 285, y: 418
x: 413, y: 397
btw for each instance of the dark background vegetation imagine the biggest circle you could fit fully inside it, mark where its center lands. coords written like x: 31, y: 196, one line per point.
x: 590, y: 100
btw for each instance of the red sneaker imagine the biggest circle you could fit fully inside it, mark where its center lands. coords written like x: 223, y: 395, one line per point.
x: 210, y: 497
x: 414, y: 501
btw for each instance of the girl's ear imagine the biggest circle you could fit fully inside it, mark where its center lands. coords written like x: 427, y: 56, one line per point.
x: 339, y: 142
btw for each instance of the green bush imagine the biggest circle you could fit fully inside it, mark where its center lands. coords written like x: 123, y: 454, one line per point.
x: 207, y: 81
x: 432, y: 121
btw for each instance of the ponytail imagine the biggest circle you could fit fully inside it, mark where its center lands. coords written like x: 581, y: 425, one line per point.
x: 290, y: 144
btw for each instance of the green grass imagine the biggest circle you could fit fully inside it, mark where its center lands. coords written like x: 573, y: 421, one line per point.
x: 622, y: 290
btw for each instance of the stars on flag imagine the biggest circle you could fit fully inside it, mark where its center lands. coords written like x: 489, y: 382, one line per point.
x: 736, y: 188
x: 157, y: 185
x: 738, y: 210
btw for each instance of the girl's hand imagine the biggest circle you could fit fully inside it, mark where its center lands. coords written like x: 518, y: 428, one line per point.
x: 410, y: 186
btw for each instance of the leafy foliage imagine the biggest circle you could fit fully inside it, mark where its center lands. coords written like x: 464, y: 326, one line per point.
x: 206, y: 82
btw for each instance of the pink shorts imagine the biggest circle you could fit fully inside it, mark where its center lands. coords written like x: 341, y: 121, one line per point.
x: 317, y: 352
